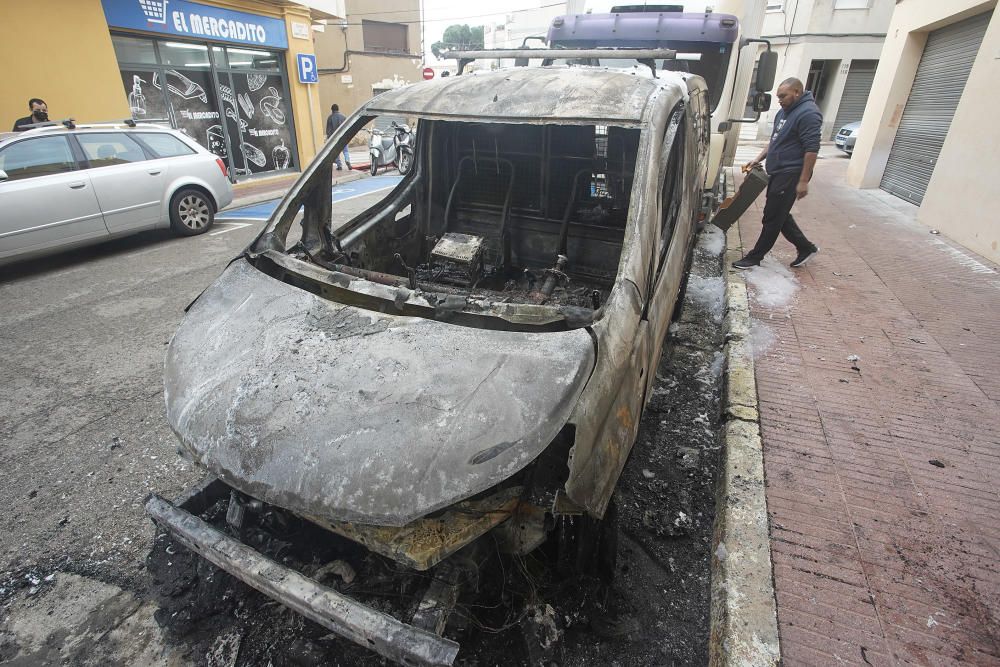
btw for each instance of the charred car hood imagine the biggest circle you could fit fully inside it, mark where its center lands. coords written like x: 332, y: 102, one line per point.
x: 353, y: 415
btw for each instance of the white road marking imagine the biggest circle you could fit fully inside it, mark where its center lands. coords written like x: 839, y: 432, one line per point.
x: 235, y: 214
x: 368, y: 192
x: 229, y: 226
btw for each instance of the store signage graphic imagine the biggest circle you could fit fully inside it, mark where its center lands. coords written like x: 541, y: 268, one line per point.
x: 307, y: 68
x: 190, y: 19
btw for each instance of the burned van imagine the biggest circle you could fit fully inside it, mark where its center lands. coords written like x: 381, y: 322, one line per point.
x: 468, y: 356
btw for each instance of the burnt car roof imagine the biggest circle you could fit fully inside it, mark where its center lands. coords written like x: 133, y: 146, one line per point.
x: 531, y: 93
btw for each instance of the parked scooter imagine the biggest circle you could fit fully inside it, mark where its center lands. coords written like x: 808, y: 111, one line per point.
x: 396, y: 149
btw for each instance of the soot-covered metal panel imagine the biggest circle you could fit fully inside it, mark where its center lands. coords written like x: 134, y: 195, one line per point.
x: 354, y: 415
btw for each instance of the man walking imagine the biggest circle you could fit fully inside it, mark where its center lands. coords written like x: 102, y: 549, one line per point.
x: 333, y: 121
x: 791, y: 156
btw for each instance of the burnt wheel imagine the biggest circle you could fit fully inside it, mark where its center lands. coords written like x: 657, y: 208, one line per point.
x: 191, y: 212
x: 588, y: 545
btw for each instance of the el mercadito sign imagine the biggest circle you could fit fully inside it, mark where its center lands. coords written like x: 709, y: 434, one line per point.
x: 181, y: 18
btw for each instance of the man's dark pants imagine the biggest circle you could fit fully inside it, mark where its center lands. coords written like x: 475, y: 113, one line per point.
x: 777, y: 217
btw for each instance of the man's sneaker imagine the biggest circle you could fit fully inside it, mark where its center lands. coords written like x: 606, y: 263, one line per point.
x: 745, y: 263
x: 804, y: 256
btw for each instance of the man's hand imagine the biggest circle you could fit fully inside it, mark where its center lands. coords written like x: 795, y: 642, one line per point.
x: 808, y: 163
x: 751, y: 165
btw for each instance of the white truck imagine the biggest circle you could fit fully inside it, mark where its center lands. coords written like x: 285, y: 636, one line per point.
x: 713, y: 45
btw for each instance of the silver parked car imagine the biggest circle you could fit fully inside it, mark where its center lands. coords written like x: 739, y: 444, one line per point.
x: 70, y: 185
x: 847, y: 136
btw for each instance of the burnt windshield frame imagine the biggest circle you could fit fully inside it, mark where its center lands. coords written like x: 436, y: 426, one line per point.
x: 351, y: 240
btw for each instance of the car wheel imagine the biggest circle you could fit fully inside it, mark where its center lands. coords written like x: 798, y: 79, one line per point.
x: 191, y: 212
x: 405, y: 160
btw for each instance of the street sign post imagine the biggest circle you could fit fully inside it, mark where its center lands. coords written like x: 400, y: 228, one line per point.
x: 308, y: 72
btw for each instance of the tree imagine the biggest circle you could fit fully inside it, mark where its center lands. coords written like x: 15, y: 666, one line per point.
x: 458, y: 37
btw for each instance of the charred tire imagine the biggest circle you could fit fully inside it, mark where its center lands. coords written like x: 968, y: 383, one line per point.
x: 192, y: 212
x: 589, y: 546
x: 373, y: 168
x: 405, y: 161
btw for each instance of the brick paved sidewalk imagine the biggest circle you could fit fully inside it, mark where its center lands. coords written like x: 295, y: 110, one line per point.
x: 882, y: 482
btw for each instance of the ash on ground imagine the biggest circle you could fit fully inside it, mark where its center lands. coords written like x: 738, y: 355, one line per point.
x: 654, y: 611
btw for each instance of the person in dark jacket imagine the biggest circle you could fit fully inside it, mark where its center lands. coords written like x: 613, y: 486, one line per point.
x: 39, y: 114
x: 333, y: 121
x: 791, y: 156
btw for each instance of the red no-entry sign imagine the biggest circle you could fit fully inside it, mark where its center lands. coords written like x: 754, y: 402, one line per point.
x: 428, y: 74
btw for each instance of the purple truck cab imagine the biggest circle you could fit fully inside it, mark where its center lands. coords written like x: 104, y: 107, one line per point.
x: 709, y: 37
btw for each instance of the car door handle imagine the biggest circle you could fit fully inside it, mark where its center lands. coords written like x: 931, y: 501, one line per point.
x: 76, y: 185
x: 154, y: 172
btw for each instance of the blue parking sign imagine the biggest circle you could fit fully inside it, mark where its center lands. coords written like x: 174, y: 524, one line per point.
x: 307, y: 68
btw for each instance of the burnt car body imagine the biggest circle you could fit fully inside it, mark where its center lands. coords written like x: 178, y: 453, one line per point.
x: 470, y: 355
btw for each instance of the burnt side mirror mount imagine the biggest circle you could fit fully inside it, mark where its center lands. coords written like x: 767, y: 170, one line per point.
x: 761, y: 102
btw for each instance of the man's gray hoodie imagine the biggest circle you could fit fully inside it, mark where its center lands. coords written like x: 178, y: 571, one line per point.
x: 796, y: 132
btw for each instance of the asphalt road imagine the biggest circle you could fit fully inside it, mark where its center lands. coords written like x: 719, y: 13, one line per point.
x: 84, y: 437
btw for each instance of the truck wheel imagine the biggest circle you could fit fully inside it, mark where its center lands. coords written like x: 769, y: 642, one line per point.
x: 191, y: 212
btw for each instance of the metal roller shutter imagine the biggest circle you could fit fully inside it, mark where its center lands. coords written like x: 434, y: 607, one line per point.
x: 384, y: 123
x: 937, y: 88
x: 855, y: 97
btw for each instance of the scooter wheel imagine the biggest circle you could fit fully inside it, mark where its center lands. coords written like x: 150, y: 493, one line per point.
x: 374, y: 166
x: 405, y: 162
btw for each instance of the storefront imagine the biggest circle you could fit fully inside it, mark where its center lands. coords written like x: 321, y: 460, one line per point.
x: 217, y: 75
x: 222, y: 71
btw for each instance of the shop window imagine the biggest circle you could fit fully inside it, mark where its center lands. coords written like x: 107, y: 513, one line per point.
x: 258, y: 121
x: 384, y: 37
x: 231, y: 100
x: 145, y: 101
x: 104, y: 149
x: 252, y: 59
x: 130, y: 50
x: 164, y: 145
x: 180, y: 54
x: 37, y: 157
x: 193, y: 103
x: 219, y: 57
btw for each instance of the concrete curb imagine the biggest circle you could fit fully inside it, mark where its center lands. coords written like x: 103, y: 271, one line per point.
x: 744, y: 622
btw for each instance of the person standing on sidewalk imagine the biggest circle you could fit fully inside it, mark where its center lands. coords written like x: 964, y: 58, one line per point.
x: 791, y: 155
x: 333, y: 121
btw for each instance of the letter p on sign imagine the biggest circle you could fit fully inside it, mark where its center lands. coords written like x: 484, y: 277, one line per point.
x: 307, y: 68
